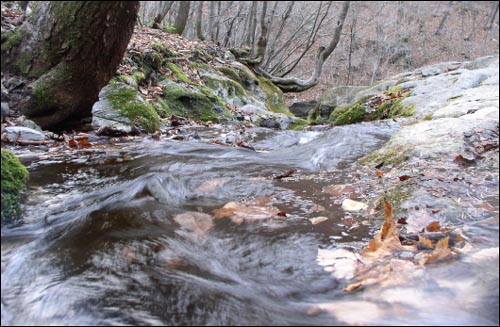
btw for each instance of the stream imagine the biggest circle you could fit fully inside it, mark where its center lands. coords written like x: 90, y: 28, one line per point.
x: 100, y: 244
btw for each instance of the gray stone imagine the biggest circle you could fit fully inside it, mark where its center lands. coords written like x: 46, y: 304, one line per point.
x: 5, y: 109
x: 19, y: 133
x: 104, y: 115
x: 301, y: 109
x: 269, y: 123
x: 31, y: 124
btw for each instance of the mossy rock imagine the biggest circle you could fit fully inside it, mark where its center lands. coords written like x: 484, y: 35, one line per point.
x: 119, y: 99
x: 14, y: 176
x: 389, y: 155
x: 178, y: 73
x: 275, y: 100
x: 355, y: 114
x: 194, y: 104
x: 298, y: 125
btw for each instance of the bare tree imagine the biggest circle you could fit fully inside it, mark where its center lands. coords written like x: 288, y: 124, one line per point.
x: 162, y: 10
x: 199, y: 18
x: 182, y: 16
x: 492, y: 17
x: 294, y: 84
x: 443, y: 20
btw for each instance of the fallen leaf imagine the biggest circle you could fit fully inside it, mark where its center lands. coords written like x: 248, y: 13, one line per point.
x: 318, y: 220
x: 440, y: 252
x: 425, y: 242
x: 338, y: 189
x: 212, y: 185
x: 84, y: 143
x: 353, y: 286
x: 404, y: 177
x: 288, y: 173
x: 433, y: 226
x: 461, y: 160
x: 196, y: 222
x: 249, y: 211
x: 351, y: 205
x: 72, y: 144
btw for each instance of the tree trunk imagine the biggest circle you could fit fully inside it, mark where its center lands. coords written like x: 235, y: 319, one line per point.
x: 199, y: 25
x: 489, y: 26
x: 182, y: 17
x: 443, y: 20
x: 293, y: 84
x: 70, y: 50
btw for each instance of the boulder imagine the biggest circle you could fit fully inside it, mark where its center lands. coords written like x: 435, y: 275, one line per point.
x: 121, y: 108
x: 301, y: 109
x: 23, y: 134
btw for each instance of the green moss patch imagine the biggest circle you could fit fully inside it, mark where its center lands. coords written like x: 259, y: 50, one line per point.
x: 275, y: 101
x: 190, y: 104
x: 178, y: 73
x: 298, y: 125
x: 374, y: 108
x: 129, y: 103
x: 388, y: 156
x: 14, y: 176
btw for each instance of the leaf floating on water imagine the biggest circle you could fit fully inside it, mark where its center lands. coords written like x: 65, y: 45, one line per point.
x: 433, y: 227
x: 212, y: 185
x: 440, y: 252
x: 338, y: 190
x: 351, y: 205
x: 288, y: 173
x: 353, y: 286
x: 249, y: 211
x: 318, y: 220
x: 196, y: 222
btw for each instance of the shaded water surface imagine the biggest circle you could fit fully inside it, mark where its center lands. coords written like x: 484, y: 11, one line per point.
x: 100, y: 244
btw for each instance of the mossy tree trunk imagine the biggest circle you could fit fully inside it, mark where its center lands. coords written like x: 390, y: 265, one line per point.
x: 69, y: 50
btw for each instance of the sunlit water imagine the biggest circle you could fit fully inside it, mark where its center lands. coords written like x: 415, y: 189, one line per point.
x: 100, y: 245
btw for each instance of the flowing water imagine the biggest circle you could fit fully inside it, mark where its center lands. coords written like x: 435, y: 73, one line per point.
x: 100, y: 245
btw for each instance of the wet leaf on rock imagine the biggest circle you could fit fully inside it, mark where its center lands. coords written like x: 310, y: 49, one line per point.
x: 440, y: 252
x: 433, y: 226
x: 404, y: 177
x: 351, y: 205
x: 288, y: 173
x: 461, y: 160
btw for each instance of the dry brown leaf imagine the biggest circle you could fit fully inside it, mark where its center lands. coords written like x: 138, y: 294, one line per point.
x: 440, y: 252
x: 425, y: 241
x: 388, y: 237
x: 353, y: 286
x: 433, y: 226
